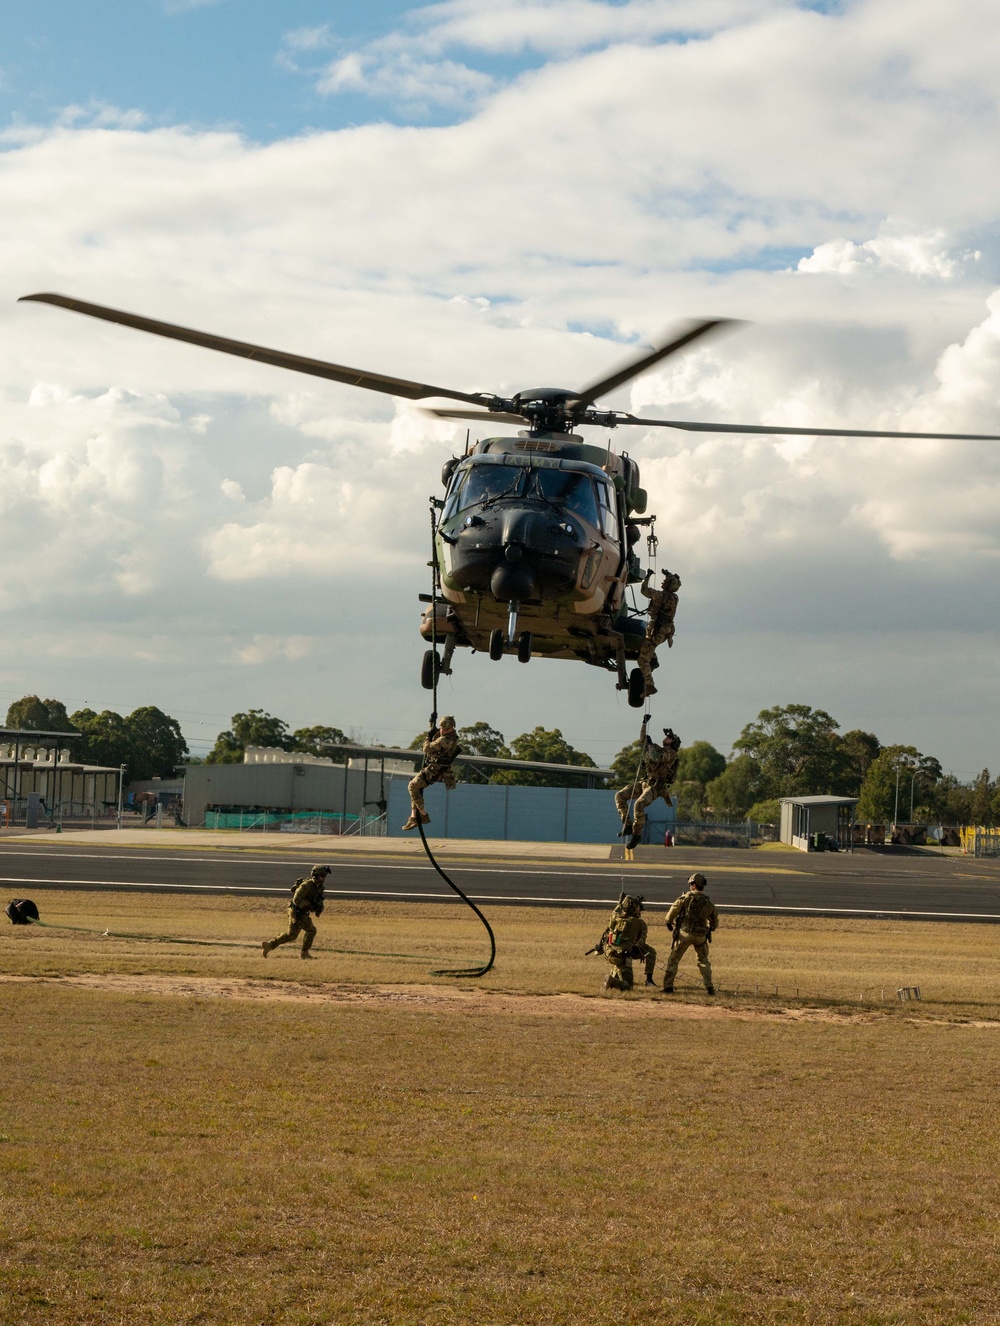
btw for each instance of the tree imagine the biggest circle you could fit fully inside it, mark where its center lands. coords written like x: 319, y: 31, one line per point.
x: 254, y: 728
x: 37, y: 715
x: 797, y: 750
x: 156, y: 741
x: 765, y: 812
x: 732, y: 794
x: 626, y: 763
x: 479, y: 739
x: 318, y: 741
x: 700, y: 763
x: 106, y: 738
x: 896, y: 766
x: 549, y: 747
x: 981, y: 810
x: 858, y: 749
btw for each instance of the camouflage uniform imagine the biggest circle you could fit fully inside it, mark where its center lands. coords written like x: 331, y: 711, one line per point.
x: 693, y: 918
x: 657, y: 772
x: 659, y: 623
x: 307, y: 896
x: 625, y: 939
x: 440, y: 749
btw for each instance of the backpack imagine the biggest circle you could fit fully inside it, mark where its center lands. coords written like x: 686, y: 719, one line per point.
x: 696, y: 913
x: 21, y: 911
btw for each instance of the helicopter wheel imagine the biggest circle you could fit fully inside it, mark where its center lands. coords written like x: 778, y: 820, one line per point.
x: 496, y: 644
x: 524, y: 647
x: 430, y: 669
x: 636, y: 688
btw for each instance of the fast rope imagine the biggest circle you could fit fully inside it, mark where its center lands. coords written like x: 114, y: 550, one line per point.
x: 219, y: 943
x: 464, y: 971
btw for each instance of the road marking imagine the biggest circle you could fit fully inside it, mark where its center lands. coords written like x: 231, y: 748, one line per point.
x: 878, y: 912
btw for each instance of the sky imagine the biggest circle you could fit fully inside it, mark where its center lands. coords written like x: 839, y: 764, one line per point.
x: 489, y: 196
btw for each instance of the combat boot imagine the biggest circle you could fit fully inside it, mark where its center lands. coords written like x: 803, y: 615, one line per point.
x: 633, y: 842
x: 626, y: 828
x: 265, y: 948
x: 710, y: 989
x: 668, y: 989
x: 650, y: 981
x: 411, y: 823
x: 306, y: 957
x: 424, y: 817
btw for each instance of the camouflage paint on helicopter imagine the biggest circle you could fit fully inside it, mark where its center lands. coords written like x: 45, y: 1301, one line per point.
x: 536, y: 530
x: 534, y: 548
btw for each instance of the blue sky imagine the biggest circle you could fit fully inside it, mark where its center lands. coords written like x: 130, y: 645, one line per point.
x: 224, y: 62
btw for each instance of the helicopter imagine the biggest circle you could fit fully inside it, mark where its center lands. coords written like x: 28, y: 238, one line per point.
x: 534, y: 538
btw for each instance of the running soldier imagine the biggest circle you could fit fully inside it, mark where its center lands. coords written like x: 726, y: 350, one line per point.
x: 440, y: 751
x: 625, y: 939
x: 692, y: 918
x: 659, y: 622
x: 657, y: 771
x: 307, y: 896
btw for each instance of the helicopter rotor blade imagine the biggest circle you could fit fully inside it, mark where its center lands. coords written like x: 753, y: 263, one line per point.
x: 803, y: 432
x: 497, y: 416
x: 634, y: 367
x: 320, y: 368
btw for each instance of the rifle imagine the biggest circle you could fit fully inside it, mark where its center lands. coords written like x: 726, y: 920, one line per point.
x: 599, y: 947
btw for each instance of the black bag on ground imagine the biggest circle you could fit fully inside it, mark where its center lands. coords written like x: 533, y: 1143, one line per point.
x: 22, y: 911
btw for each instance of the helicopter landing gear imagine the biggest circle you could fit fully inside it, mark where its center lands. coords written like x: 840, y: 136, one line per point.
x: 636, y: 688
x: 430, y: 669
x: 496, y: 644
x: 524, y: 647
x: 512, y: 610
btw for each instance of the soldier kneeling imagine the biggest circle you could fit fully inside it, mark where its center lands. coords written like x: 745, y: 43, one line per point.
x: 624, y: 940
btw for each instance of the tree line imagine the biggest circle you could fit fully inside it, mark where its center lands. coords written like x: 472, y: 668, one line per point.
x: 788, y: 750
x: 147, y: 741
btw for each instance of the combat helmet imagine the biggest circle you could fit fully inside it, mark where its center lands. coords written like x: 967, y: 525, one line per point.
x: 631, y: 904
x: 698, y: 880
x: 320, y: 872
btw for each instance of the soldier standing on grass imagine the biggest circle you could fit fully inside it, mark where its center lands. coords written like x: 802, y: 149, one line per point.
x: 692, y: 918
x: 307, y: 896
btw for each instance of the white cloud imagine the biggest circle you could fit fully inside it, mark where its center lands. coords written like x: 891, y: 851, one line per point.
x: 202, y: 512
x: 916, y: 255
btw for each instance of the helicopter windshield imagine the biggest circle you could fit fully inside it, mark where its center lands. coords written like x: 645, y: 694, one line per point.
x: 569, y: 489
x: 485, y: 483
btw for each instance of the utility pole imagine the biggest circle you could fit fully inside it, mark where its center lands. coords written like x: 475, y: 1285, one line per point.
x: 895, y: 813
x: 912, y: 781
x: 121, y: 781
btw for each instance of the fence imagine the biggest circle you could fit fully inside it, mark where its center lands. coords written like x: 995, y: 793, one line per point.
x: 275, y: 821
x: 981, y: 842
x: 710, y: 834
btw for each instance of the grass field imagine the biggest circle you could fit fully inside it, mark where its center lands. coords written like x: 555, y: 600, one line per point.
x: 381, y: 1149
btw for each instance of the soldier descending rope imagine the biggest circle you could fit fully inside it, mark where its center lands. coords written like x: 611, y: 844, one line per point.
x: 659, y: 622
x: 441, y: 749
x: 657, y: 771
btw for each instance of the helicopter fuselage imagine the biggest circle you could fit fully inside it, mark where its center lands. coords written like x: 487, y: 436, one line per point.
x: 539, y: 523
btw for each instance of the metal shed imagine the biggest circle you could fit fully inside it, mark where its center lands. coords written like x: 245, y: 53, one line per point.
x: 809, y: 822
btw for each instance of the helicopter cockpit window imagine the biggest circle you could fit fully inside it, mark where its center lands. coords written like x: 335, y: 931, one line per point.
x: 609, y: 517
x: 485, y: 483
x: 566, y: 488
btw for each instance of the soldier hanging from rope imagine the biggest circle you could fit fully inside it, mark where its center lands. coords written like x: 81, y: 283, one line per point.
x: 441, y: 748
x: 657, y: 771
x: 659, y: 622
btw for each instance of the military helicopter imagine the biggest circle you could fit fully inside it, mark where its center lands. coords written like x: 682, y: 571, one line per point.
x: 534, y: 538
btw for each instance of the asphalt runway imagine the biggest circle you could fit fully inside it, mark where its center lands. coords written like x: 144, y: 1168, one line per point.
x: 876, y: 886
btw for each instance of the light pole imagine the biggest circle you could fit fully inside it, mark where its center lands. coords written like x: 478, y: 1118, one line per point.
x: 121, y: 781
x: 895, y: 813
x: 912, y: 781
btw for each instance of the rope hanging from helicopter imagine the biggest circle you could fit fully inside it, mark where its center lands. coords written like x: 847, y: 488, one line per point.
x: 462, y: 971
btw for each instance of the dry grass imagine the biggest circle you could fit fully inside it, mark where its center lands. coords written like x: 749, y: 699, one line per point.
x: 181, y: 1161
x: 540, y: 949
